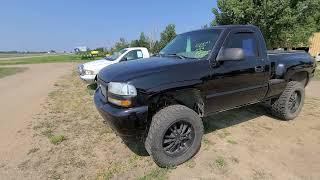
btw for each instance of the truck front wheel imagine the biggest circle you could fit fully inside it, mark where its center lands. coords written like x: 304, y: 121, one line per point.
x: 174, y: 136
x: 289, y: 104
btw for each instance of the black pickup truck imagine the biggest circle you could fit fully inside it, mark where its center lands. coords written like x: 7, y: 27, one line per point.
x: 161, y: 100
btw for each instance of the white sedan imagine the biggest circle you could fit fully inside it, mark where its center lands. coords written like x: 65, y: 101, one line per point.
x: 88, y: 71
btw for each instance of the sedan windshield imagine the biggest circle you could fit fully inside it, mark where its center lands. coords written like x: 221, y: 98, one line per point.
x: 194, y: 45
x: 115, y: 55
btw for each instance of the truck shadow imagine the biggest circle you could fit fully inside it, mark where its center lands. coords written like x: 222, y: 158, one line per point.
x: 137, y: 148
x: 233, y: 117
x: 91, y: 88
x: 215, y: 122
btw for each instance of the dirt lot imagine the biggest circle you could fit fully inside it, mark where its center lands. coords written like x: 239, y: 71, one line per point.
x: 66, y: 139
x: 21, y: 97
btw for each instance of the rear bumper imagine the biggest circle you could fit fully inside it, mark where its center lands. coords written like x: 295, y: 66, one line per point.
x: 129, y: 123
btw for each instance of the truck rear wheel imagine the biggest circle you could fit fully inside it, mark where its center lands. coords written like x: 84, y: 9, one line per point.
x: 174, y: 136
x: 289, y: 104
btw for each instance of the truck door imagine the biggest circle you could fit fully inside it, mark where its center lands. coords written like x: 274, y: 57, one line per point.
x: 236, y: 83
x: 132, y: 55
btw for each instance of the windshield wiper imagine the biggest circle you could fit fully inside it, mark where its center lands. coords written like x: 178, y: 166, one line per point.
x: 157, y: 55
x: 176, y: 55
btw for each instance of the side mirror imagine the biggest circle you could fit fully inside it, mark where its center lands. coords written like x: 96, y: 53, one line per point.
x: 124, y: 59
x: 230, y: 54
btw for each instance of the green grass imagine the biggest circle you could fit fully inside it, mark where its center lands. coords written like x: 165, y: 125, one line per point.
x: 205, y: 143
x: 111, y: 171
x: 44, y: 59
x: 157, y: 173
x: 232, y: 141
x: 7, y: 71
x: 9, y: 55
x: 220, y: 162
x: 191, y: 163
x: 47, y: 132
x: 57, y: 139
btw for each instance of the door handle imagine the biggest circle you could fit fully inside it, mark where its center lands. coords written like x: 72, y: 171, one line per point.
x: 259, y: 68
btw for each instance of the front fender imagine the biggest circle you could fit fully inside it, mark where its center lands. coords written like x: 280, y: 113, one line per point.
x: 173, y: 86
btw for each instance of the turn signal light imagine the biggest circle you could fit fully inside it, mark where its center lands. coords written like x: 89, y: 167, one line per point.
x: 123, y: 102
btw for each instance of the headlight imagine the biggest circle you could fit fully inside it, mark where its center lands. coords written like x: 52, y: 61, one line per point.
x: 122, y: 89
x: 121, y: 94
x: 88, y: 72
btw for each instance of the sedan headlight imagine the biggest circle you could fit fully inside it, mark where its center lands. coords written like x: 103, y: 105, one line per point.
x: 88, y: 72
x: 121, y: 93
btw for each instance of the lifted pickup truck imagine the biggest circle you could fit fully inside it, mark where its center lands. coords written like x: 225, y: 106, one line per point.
x: 162, y: 100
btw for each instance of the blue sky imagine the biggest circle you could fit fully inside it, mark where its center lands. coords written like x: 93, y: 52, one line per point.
x: 40, y: 25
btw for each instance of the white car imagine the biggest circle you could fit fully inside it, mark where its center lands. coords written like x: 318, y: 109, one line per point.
x: 88, y: 71
x: 318, y: 57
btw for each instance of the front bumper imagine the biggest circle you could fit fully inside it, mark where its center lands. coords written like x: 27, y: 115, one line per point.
x: 90, y: 79
x: 129, y: 123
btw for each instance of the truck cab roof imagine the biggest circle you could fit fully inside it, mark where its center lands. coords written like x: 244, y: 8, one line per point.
x: 229, y: 27
x: 136, y: 48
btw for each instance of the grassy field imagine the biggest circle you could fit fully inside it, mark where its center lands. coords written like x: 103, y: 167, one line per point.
x: 9, y: 55
x: 71, y: 142
x: 42, y: 59
x: 7, y: 71
x: 70, y: 134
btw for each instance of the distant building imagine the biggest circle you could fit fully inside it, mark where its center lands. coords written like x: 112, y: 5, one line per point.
x: 314, y: 48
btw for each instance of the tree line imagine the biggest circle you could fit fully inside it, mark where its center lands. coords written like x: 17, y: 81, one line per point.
x: 284, y: 23
x: 154, y: 46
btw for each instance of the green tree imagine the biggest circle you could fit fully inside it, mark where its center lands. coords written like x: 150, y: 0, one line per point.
x: 100, y: 49
x: 134, y: 43
x: 143, y: 41
x: 284, y: 23
x: 156, y: 47
x: 121, y: 44
x: 166, y: 36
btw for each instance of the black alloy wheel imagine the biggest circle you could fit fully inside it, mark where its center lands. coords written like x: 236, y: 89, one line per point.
x: 174, y: 135
x: 289, y: 104
x: 294, y: 101
x: 178, y: 138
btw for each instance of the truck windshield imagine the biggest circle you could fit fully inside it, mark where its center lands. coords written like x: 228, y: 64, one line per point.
x: 115, y: 55
x: 194, y: 45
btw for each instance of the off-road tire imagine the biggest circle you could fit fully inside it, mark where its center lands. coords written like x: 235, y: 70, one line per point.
x: 161, y: 122
x: 280, y: 108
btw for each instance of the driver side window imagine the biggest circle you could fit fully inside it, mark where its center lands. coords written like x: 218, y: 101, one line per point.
x: 246, y: 41
x: 132, y: 55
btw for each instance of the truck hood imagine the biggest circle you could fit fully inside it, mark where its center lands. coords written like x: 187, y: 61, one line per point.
x: 126, y: 71
x: 97, y: 65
